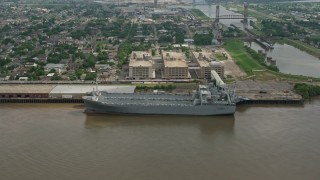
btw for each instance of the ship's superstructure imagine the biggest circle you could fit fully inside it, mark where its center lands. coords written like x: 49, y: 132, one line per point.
x: 208, y: 99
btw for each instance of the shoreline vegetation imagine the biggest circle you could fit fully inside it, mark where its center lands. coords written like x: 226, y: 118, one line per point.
x: 306, y: 90
x: 246, y: 61
x: 250, y: 65
x: 199, y: 14
x: 302, y: 46
x: 296, y: 43
x: 242, y: 58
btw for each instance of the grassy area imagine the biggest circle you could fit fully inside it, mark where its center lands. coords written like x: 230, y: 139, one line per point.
x: 253, y: 13
x: 278, y: 76
x: 242, y: 58
x: 220, y: 56
x: 247, y: 63
x: 302, y: 46
x: 294, y: 78
x: 265, y: 75
x: 199, y: 14
x: 259, y: 15
x: 298, y: 44
x: 251, y: 67
x: 307, y: 90
x: 257, y: 26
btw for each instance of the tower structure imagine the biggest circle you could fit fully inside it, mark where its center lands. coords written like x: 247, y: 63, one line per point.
x: 245, y: 13
x: 155, y: 3
x: 210, y: 2
x: 217, y: 13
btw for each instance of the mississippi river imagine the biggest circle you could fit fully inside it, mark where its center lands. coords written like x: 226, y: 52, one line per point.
x: 59, y: 141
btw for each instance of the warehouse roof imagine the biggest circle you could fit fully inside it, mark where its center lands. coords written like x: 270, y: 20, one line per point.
x: 82, y: 89
x: 25, y: 88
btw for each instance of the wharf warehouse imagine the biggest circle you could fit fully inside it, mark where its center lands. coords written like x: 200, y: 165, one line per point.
x: 26, y: 91
x: 77, y: 91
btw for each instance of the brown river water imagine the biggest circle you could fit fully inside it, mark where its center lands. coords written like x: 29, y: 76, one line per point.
x: 59, y: 141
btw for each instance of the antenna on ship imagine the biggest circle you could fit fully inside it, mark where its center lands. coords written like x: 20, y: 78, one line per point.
x: 97, y: 87
x: 234, y: 90
x: 97, y: 90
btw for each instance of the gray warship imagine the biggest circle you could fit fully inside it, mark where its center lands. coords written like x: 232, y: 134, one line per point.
x: 209, y: 99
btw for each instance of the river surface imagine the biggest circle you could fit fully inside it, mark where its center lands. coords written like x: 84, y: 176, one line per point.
x: 302, y: 1
x: 291, y: 60
x: 59, y: 141
x: 222, y: 11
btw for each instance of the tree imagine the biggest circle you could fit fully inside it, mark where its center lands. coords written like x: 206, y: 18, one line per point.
x: 103, y: 56
x: 79, y: 72
x: 72, y: 77
x: 153, y: 52
x: 89, y: 62
x: 4, y: 62
x: 202, y: 39
x: 56, y: 77
x: 52, y: 71
x: 91, y: 76
x: 7, y: 41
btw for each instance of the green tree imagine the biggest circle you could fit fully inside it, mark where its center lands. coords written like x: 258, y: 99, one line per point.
x: 91, y: 76
x: 56, y: 77
x: 202, y: 39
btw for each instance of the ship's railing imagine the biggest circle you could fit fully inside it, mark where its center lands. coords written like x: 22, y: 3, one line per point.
x: 137, y: 98
x: 146, y: 104
x: 159, y: 104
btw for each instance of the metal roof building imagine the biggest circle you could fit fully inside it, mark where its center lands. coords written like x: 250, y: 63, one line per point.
x: 77, y: 91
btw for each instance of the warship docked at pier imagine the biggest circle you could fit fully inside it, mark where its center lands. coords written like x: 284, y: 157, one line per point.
x: 209, y: 99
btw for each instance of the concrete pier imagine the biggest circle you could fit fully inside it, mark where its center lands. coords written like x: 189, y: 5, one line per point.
x: 255, y: 92
x: 80, y: 101
x: 39, y: 100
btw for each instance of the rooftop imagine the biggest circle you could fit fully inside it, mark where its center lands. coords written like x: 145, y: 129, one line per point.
x: 61, y: 89
x: 134, y: 63
x: 140, y: 55
x: 174, y: 59
x: 82, y: 89
x: 25, y: 88
x: 206, y: 59
x: 140, y: 58
x: 54, y: 66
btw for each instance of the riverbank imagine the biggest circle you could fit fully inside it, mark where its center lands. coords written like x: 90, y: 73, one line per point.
x: 257, y: 92
x: 261, y: 16
x: 242, y: 58
x: 307, y: 91
x: 251, y: 12
x: 80, y: 101
x: 198, y: 14
x: 254, y: 70
x: 302, y: 46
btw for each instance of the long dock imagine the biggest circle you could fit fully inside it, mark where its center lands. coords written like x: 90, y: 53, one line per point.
x: 290, y: 101
x: 80, y: 101
x: 39, y: 100
x: 254, y: 92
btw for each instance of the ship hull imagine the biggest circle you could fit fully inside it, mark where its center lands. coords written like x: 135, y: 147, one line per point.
x: 206, y: 110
